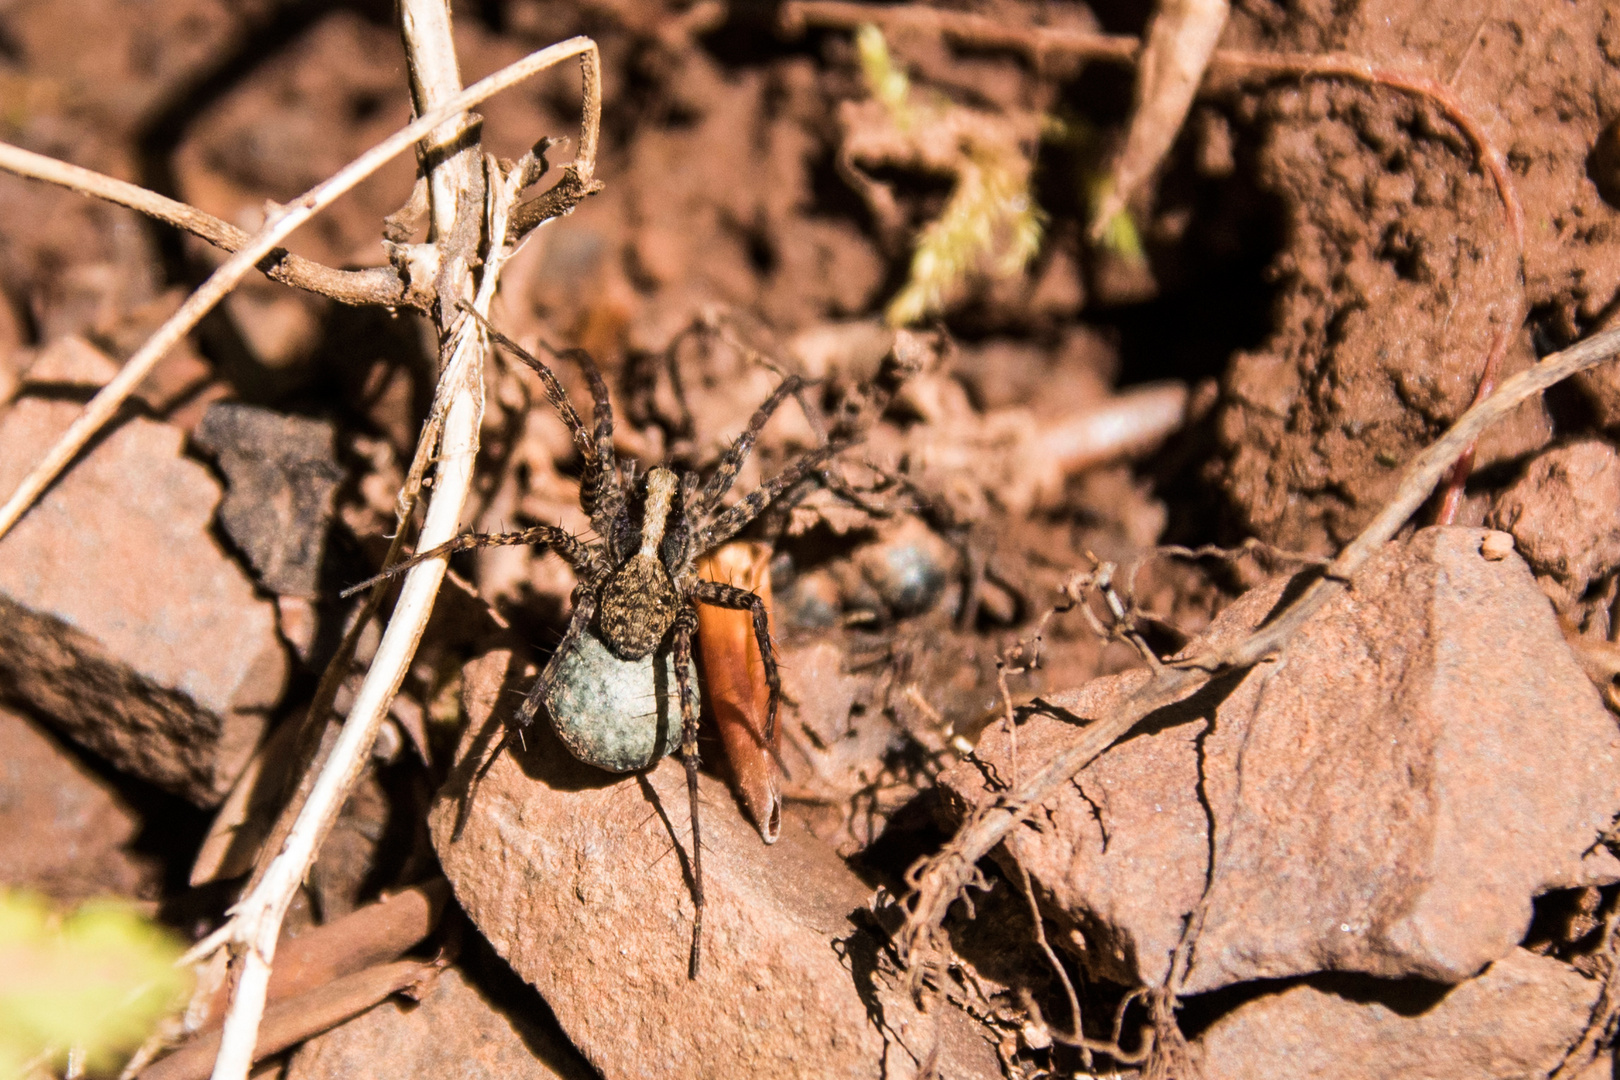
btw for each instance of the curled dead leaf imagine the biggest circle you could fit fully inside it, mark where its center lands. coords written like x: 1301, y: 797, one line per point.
x: 734, y: 682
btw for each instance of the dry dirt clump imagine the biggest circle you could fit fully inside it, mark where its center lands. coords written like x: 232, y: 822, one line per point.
x: 1083, y: 453
x: 1397, y: 266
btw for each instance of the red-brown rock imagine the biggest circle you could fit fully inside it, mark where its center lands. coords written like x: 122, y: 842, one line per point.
x: 1564, y: 514
x: 1513, y: 1022
x: 575, y: 877
x: 281, y: 474
x: 453, y: 1031
x: 121, y: 620
x: 64, y: 831
x: 1387, y: 797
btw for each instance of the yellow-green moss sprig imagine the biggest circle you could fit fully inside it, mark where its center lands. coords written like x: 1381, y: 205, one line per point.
x: 887, y: 83
x: 990, y: 223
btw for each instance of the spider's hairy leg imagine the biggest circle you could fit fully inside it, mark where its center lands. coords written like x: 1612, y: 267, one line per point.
x: 685, y: 622
x: 599, y: 486
x: 737, y: 453
x: 719, y: 594
x: 564, y: 543
x: 554, y: 389
x: 584, y: 612
x: 729, y: 524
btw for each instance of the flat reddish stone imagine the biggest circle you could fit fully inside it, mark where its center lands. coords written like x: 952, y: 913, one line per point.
x: 281, y: 474
x: 1387, y: 798
x: 64, y: 831
x: 1514, y: 1021
x: 1564, y: 514
x: 572, y: 874
x: 121, y: 620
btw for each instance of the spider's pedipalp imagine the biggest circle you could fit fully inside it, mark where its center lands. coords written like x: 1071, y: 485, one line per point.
x: 728, y: 524
x: 736, y: 454
x: 719, y: 594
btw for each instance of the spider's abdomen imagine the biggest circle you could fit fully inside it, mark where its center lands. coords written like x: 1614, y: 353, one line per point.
x: 637, y: 607
x: 619, y: 715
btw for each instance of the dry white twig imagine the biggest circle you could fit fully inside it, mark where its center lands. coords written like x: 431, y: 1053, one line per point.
x: 379, y: 285
x: 277, y: 228
x: 450, y: 441
x: 1179, y: 43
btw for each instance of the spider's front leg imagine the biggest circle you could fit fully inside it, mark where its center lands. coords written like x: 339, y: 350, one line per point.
x: 719, y: 594
x: 578, y: 624
x: 564, y: 543
x: 685, y: 623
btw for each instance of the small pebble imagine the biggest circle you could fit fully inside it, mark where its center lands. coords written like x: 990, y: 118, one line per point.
x: 1496, y: 546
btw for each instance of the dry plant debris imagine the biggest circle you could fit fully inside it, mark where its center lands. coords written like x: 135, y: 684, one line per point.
x: 989, y: 225
x: 451, y: 1029
x: 738, y: 692
x: 1249, y: 853
x: 1175, y: 53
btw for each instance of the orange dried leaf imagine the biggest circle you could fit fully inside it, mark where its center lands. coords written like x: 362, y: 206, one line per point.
x: 734, y: 686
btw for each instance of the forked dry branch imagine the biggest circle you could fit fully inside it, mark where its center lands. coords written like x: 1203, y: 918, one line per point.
x: 476, y: 223
x: 380, y: 285
x: 264, y: 243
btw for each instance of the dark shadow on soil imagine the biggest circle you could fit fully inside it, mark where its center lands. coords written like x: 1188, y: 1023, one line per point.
x: 1405, y: 997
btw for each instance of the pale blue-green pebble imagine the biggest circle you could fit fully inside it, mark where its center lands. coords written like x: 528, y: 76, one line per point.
x: 616, y: 714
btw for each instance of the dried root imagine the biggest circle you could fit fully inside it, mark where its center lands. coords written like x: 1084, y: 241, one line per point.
x: 940, y: 880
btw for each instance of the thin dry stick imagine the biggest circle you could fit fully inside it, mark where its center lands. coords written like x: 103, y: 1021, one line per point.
x: 306, y: 749
x: 277, y: 228
x: 379, y: 285
x: 451, y: 437
x: 938, y: 881
x: 1036, y: 42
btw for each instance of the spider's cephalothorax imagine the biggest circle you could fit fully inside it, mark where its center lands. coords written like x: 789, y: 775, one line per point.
x: 635, y: 604
x: 638, y: 601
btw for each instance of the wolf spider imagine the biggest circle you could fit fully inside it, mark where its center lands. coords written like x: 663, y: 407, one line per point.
x: 638, y: 582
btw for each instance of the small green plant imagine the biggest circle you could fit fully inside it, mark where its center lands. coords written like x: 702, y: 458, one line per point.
x: 1118, y: 235
x: 93, y: 982
x: 990, y: 224
x: 888, y: 84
